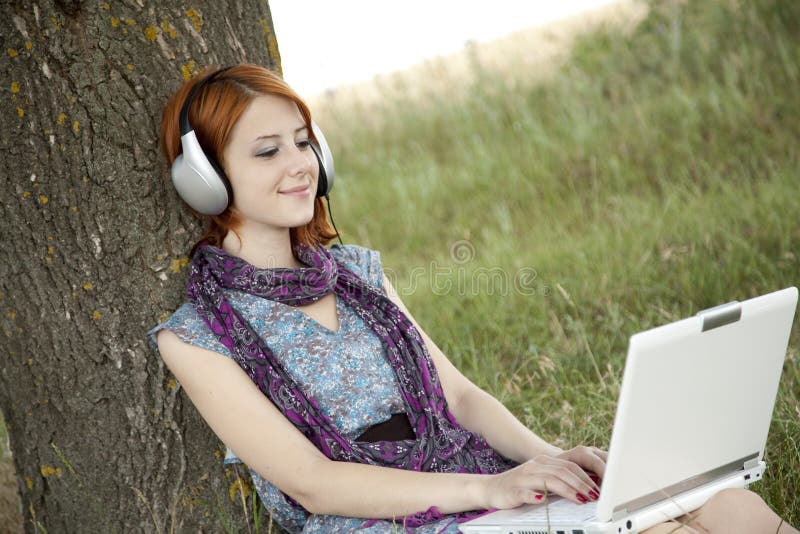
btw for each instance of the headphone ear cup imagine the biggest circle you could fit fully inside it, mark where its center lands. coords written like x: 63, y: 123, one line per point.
x: 325, y: 161
x: 322, y: 180
x: 199, y: 180
x: 222, y: 178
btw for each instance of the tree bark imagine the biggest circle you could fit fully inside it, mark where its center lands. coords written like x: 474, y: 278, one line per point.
x: 94, y: 241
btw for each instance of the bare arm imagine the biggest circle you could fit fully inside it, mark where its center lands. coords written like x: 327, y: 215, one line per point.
x: 479, y: 412
x: 268, y: 443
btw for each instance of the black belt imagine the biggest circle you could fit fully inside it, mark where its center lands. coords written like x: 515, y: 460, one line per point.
x: 397, y: 428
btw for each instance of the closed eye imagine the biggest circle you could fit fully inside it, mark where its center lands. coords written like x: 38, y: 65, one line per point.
x: 267, y: 153
x: 304, y: 144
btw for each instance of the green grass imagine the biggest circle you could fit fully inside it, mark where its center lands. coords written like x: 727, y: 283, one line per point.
x: 655, y: 175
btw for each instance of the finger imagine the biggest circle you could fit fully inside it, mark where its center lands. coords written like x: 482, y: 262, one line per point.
x: 582, y: 481
x: 596, y: 463
x: 574, y: 483
x: 588, y: 459
x: 552, y: 483
x: 601, y: 453
x: 532, y: 497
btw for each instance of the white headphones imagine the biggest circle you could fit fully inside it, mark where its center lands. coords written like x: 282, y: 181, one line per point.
x: 199, y: 178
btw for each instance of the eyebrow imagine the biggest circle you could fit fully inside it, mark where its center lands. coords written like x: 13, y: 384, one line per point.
x: 271, y: 136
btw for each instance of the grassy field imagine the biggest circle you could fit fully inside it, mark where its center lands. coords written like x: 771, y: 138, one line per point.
x: 653, y: 175
x: 533, y: 223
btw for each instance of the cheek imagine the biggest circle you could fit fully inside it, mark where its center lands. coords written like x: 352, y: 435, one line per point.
x: 254, y: 181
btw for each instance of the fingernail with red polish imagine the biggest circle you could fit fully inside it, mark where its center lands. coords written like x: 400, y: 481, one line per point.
x: 593, y: 494
x: 580, y: 497
x: 539, y: 497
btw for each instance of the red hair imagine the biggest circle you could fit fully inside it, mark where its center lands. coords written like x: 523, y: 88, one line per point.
x: 213, y: 114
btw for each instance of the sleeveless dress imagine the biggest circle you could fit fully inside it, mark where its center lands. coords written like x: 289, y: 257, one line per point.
x: 346, y: 371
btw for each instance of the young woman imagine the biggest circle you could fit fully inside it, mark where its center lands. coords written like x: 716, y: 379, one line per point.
x: 307, y: 365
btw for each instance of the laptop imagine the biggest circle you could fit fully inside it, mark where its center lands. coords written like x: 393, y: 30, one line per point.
x: 692, y: 419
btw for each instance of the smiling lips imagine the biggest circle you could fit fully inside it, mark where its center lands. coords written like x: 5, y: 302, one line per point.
x: 299, y: 191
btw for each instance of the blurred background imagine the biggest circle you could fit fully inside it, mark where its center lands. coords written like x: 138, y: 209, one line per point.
x: 325, y: 45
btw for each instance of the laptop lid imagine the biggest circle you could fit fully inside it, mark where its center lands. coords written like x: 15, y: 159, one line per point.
x: 696, y: 401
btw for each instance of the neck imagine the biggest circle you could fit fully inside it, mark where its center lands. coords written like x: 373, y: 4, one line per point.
x: 265, y: 250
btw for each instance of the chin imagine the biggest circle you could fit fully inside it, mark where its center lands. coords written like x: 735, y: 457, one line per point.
x: 303, y: 219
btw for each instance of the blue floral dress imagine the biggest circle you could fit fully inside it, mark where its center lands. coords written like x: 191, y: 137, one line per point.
x: 346, y: 371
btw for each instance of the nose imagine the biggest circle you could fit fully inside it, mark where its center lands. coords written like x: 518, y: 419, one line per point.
x: 302, y: 162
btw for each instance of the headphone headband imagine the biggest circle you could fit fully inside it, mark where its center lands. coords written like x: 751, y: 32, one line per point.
x: 184, y: 117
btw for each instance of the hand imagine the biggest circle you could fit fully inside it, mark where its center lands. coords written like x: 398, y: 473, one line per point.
x: 564, y: 474
x: 591, y: 459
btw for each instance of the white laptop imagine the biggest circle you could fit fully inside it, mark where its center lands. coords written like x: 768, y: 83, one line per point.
x: 692, y: 419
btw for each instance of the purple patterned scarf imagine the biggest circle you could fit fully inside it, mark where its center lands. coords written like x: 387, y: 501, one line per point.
x: 442, y: 445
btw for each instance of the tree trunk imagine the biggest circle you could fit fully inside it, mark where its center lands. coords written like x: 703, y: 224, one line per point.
x: 95, y: 243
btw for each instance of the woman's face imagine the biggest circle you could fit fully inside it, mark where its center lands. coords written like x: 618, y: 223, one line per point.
x: 271, y: 166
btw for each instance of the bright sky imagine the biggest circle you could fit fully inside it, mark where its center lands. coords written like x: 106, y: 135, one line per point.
x: 327, y: 43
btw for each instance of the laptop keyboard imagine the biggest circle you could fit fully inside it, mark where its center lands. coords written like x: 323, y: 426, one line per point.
x: 558, y: 511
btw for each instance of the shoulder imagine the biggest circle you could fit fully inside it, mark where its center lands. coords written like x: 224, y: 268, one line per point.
x: 189, y: 327
x: 363, y: 262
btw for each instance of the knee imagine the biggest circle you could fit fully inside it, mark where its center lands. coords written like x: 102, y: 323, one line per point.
x: 733, y: 501
x: 738, y: 510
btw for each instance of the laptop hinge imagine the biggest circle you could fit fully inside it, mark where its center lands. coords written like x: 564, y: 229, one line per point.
x: 720, y: 315
x: 751, y: 460
x: 620, y: 513
x: 751, y: 463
